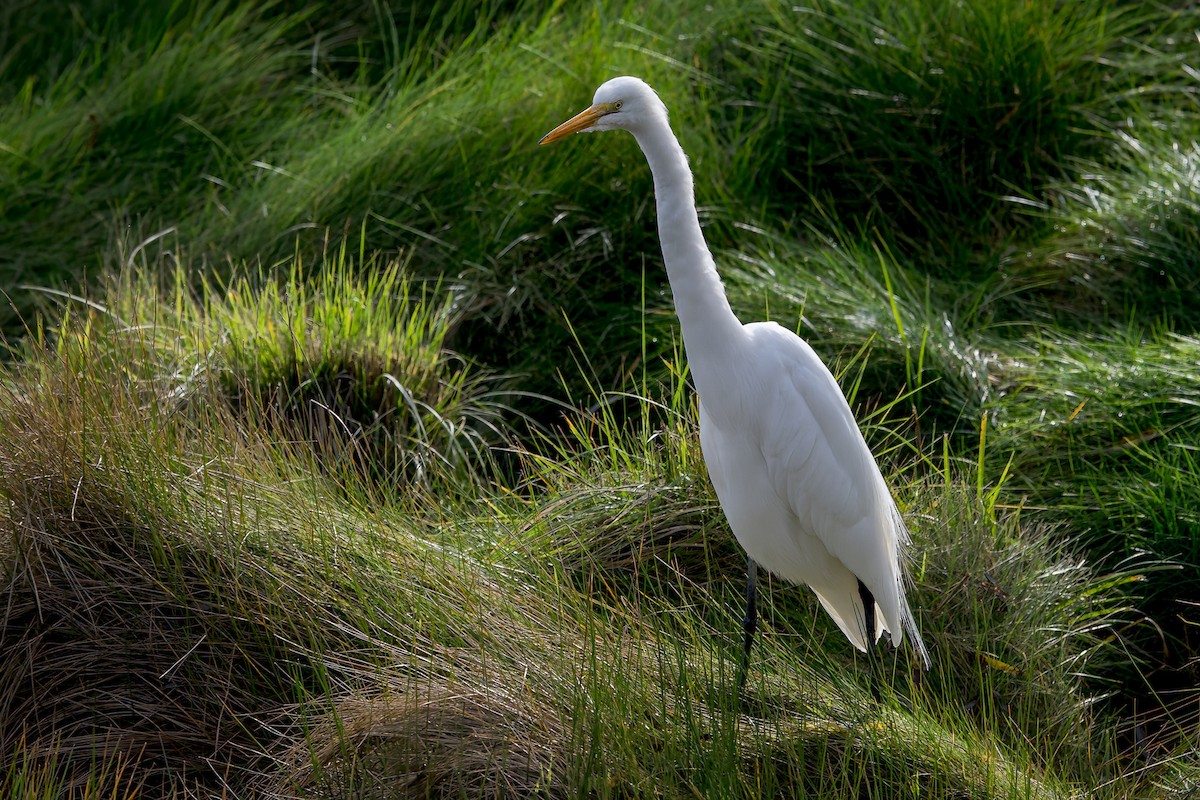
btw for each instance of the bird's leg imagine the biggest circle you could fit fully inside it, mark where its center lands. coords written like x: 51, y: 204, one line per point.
x: 868, y: 602
x: 750, y: 624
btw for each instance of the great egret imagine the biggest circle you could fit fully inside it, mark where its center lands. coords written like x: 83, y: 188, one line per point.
x: 794, y: 476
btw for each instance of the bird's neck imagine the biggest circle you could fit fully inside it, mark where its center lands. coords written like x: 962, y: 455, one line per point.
x: 708, y: 323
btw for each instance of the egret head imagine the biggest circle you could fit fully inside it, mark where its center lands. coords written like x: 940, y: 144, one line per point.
x: 623, y: 103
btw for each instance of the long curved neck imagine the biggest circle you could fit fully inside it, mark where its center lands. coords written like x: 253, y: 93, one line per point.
x: 707, y: 321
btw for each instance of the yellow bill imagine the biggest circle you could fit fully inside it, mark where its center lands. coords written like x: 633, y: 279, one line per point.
x: 584, y: 119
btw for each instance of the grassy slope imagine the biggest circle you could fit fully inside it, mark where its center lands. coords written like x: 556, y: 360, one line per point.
x: 292, y: 531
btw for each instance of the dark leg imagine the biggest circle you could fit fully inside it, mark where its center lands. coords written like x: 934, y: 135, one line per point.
x: 868, y: 601
x: 750, y: 624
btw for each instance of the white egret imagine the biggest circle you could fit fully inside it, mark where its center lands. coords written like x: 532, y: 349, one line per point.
x: 798, y: 484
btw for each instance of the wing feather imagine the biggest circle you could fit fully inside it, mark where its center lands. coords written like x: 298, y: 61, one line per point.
x: 821, y: 466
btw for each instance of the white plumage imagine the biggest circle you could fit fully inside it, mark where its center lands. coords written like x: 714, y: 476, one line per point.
x: 797, y: 482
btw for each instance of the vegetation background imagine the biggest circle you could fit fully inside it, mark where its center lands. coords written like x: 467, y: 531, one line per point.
x: 346, y: 444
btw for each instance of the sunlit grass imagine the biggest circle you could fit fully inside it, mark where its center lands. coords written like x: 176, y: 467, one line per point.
x: 346, y: 440
x: 204, y: 574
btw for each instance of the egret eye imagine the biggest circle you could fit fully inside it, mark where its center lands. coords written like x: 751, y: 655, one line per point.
x: 617, y: 106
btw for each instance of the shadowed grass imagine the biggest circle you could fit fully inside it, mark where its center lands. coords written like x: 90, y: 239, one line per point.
x: 255, y: 533
x: 917, y: 120
x: 32, y: 774
x: 1089, y: 421
x: 355, y: 366
x: 197, y: 595
x: 1126, y: 235
x: 137, y: 118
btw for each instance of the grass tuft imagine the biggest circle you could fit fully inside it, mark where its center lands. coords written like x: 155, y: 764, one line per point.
x: 347, y: 446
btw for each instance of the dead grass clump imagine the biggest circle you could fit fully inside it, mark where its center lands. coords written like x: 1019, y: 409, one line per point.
x: 464, y: 741
x: 119, y: 632
x: 180, y: 598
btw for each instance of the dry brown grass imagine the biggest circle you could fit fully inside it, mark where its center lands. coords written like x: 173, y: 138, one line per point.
x: 181, y: 612
x: 195, y: 608
x: 471, y: 740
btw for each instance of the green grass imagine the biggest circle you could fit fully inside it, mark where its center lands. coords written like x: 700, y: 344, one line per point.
x: 354, y: 361
x: 207, y: 578
x: 347, y: 446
